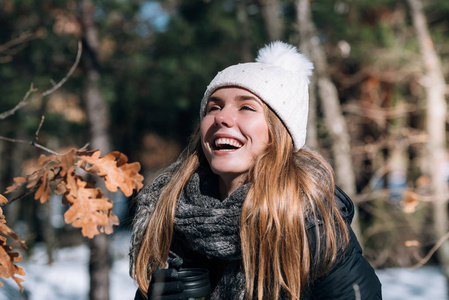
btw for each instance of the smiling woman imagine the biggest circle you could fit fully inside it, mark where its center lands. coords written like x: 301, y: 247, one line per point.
x: 248, y: 202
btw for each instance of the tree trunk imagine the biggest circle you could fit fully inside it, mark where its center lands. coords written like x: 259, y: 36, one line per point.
x: 272, y: 19
x: 327, y: 92
x: 312, y: 123
x: 398, y: 160
x: 305, y: 31
x: 98, y: 118
x: 436, y: 155
x: 245, y: 41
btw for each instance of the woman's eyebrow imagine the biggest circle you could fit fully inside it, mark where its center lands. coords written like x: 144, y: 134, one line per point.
x: 251, y: 98
x: 217, y: 99
x: 246, y: 97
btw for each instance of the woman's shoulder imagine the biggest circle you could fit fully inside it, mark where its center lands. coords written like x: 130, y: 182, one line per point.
x: 146, y: 199
x: 350, y: 274
x: 344, y: 204
x: 154, y: 186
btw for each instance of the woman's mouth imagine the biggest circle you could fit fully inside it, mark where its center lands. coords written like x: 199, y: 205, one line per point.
x: 227, y: 144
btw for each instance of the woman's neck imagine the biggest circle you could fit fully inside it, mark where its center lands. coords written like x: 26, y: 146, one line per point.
x: 227, y: 185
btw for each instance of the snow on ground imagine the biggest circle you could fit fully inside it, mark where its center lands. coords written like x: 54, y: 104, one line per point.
x: 425, y: 283
x: 67, y: 278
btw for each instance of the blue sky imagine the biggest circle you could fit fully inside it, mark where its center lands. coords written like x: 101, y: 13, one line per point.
x: 152, y: 12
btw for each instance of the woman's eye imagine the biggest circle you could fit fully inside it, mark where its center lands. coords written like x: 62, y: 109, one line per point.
x: 213, y: 108
x: 246, y: 107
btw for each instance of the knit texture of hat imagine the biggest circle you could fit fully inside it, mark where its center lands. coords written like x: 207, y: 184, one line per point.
x: 279, y: 77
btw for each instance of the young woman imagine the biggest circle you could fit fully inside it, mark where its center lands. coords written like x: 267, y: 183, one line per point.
x: 248, y: 201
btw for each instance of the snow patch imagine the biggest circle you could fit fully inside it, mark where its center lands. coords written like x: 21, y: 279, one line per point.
x: 423, y: 283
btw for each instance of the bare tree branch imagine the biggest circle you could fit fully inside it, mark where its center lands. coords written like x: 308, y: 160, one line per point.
x: 33, y: 143
x: 19, y: 105
x: 24, y: 37
x: 378, y: 112
x: 72, y: 69
x: 12, y: 47
x: 21, y: 196
x: 36, y: 135
x: 432, y: 251
x: 26, y: 99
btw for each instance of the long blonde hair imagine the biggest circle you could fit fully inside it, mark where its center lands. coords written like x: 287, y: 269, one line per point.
x: 288, y: 189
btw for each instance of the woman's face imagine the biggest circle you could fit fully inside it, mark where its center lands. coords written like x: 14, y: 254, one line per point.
x: 233, y: 132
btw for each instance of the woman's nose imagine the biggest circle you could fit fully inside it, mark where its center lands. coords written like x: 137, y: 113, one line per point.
x: 225, y: 118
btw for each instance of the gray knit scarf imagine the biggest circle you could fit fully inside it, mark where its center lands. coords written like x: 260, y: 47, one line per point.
x: 210, y: 225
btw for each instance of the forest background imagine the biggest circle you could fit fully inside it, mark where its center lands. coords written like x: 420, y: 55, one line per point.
x: 378, y: 103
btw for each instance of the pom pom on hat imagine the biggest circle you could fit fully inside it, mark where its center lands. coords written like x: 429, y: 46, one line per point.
x: 287, y: 57
x: 280, y: 77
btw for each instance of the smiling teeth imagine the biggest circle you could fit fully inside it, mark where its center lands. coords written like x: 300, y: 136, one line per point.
x: 225, y: 141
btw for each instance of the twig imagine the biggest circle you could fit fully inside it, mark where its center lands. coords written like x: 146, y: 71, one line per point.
x: 17, y: 41
x: 72, y: 69
x: 84, y: 147
x: 28, y: 142
x: 432, y: 251
x: 44, y: 148
x: 19, y: 105
x: 80, y: 149
x: 33, y: 142
x: 25, y: 99
x: 29, y: 192
x: 374, y: 180
x: 36, y: 135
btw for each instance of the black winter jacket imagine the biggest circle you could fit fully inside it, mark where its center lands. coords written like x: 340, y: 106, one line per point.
x: 351, y: 276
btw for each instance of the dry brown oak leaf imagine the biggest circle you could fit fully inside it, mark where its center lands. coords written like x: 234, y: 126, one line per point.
x: 409, y: 202
x: 89, y: 209
x: 46, y: 170
x: 114, y: 168
x: 7, y: 258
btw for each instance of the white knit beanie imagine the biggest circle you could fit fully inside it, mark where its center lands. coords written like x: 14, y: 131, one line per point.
x: 279, y: 77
